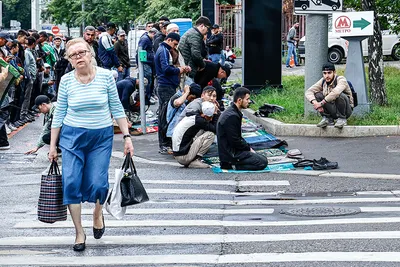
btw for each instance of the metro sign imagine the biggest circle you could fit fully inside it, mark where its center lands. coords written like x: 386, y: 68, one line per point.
x: 343, y: 24
x: 353, y: 23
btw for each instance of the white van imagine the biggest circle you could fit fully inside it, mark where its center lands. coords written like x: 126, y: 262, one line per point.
x: 338, y: 47
x: 133, y: 41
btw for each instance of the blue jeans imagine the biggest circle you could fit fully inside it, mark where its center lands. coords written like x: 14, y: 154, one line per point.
x: 291, y: 51
x: 215, y: 58
x: 125, y: 73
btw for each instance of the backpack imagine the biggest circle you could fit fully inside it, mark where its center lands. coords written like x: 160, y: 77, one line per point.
x: 353, y: 92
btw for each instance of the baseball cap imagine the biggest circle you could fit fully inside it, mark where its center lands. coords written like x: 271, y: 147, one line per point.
x: 328, y: 66
x: 121, y: 32
x: 154, y: 30
x: 207, y: 108
x: 215, y: 26
x: 101, y: 28
x: 5, y: 35
x: 111, y: 25
x: 173, y: 36
x: 195, y: 89
x: 46, y: 65
x: 165, y: 24
x: 57, y: 37
x: 227, y: 70
x: 41, y: 99
x: 209, y: 88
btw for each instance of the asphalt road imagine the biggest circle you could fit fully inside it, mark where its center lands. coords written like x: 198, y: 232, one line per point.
x: 199, y: 218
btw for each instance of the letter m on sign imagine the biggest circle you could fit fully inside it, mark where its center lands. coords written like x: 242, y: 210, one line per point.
x: 342, y: 22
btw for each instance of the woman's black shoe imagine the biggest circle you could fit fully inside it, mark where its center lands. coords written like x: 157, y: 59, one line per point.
x: 98, y: 233
x: 80, y: 246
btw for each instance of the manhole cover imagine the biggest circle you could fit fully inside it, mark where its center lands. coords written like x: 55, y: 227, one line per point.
x: 321, y: 211
x: 393, y: 148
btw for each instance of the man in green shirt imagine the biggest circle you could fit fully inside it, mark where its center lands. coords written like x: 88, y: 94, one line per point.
x: 51, y: 57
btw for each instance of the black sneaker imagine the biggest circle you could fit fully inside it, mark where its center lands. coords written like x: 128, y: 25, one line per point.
x: 324, y: 164
x: 5, y: 146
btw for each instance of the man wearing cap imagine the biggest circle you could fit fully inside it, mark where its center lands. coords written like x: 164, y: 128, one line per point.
x: 146, y: 42
x: 43, y: 104
x: 121, y: 48
x: 107, y: 53
x: 168, y: 76
x: 160, y: 36
x: 172, y: 27
x: 331, y: 96
x: 194, y: 135
x: 4, y: 39
x: 191, y: 45
x: 47, y: 81
x: 214, y: 44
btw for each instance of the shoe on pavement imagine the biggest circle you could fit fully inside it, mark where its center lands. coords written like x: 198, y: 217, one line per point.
x: 8, y: 130
x: 5, y: 146
x: 340, y: 123
x: 198, y: 164
x: 11, y: 127
x: 325, y: 122
x: 149, y: 113
x: 165, y: 151
x: 288, y: 67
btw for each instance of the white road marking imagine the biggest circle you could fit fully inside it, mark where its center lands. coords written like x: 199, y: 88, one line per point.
x: 197, y: 239
x: 205, y: 259
x: 209, y: 223
x: 190, y: 211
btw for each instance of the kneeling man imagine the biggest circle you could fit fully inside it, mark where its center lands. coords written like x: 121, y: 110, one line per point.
x: 233, y: 150
x: 193, y: 136
x: 331, y: 96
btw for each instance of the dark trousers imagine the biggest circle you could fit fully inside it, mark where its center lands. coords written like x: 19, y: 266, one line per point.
x: 340, y: 108
x: 3, y: 132
x: 248, y: 161
x: 164, y: 95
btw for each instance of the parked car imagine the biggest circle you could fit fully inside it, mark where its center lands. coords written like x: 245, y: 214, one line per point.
x: 337, y: 47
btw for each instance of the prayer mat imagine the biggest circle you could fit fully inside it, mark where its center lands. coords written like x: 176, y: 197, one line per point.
x: 272, y: 168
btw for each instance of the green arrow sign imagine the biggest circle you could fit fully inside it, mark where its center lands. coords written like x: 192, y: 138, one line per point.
x: 362, y: 23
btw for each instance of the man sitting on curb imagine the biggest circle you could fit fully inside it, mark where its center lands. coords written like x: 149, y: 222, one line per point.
x: 43, y: 104
x: 331, y: 96
x: 194, y: 135
x: 233, y: 150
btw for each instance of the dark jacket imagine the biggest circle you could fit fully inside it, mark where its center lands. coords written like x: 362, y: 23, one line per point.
x: 158, y: 39
x: 214, y: 43
x: 205, y: 76
x: 147, y: 44
x: 167, y: 73
x: 95, y: 46
x: 190, y: 46
x: 231, y: 145
x: 107, y: 53
x: 121, y: 48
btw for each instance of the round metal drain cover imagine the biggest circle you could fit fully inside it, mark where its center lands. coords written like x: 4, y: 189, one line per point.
x: 321, y: 211
x: 393, y: 148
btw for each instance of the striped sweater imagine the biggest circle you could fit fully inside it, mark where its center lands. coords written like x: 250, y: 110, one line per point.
x: 89, y: 105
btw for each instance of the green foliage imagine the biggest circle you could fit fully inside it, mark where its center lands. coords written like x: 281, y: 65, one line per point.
x: 291, y: 97
x: 19, y: 10
x: 388, y: 12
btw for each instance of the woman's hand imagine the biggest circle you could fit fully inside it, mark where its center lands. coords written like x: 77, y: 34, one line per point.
x: 128, y: 146
x: 52, y: 154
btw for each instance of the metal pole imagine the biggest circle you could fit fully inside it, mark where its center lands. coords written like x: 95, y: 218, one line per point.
x: 83, y: 10
x: 141, y: 93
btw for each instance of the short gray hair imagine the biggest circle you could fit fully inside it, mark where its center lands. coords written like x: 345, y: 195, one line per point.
x: 89, y: 28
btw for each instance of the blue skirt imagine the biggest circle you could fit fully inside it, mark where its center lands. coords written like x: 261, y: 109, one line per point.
x: 86, y: 155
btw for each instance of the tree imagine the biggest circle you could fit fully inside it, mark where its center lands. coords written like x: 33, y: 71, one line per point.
x: 384, y: 10
x: 19, y: 10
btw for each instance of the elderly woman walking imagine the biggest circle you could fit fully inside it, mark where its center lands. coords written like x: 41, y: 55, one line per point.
x: 82, y: 121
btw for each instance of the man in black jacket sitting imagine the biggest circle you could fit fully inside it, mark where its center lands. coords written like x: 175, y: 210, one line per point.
x: 233, y: 150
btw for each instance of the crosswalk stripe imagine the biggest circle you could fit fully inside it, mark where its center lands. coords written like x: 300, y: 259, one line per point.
x: 210, y: 223
x: 197, y: 239
x: 203, y: 192
x: 379, y: 209
x: 205, y: 259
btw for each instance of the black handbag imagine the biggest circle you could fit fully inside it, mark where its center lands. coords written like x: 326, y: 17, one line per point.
x: 132, y: 189
x: 50, y: 204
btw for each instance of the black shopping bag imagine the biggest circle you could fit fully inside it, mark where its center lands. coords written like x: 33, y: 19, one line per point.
x: 50, y: 204
x: 132, y: 189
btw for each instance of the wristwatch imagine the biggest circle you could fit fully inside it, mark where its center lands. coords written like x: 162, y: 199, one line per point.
x: 126, y: 136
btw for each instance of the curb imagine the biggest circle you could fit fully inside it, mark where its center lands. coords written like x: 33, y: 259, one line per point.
x: 276, y: 127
